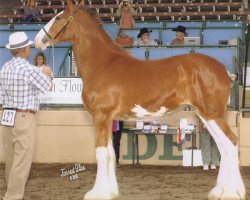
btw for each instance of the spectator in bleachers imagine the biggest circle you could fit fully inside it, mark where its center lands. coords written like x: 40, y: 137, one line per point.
x: 31, y: 13
x: 40, y: 61
x: 144, y: 38
x: 180, y: 34
x: 126, y: 11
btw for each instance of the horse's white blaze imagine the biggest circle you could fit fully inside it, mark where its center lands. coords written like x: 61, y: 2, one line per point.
x: 141, y: 112
x: 229, y: 182
x: 41, y: 33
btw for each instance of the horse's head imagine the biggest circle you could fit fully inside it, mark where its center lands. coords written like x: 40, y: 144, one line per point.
x: 59, y: 28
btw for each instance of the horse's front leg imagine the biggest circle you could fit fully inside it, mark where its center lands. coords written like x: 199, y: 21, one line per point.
x: 106, y: 186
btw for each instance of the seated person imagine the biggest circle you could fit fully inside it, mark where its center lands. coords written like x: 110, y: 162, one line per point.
x: 31, y: 13
x: 180, y: 34
x: 144, y: 38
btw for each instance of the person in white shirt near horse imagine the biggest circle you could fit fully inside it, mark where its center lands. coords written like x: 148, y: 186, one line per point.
x: 41, y: 62
x: 20, y: 84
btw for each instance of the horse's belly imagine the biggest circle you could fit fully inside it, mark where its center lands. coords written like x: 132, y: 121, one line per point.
x: 141, y: 114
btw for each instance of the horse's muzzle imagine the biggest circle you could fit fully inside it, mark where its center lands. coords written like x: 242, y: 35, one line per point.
x: 45, y: 39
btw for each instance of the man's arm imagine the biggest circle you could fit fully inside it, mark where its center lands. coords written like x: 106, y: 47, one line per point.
x: 41, y: 79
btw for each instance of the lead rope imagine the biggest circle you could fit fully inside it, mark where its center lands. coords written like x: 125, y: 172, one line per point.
x: 53, y: 59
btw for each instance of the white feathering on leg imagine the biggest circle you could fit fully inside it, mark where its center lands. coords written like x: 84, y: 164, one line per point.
x: 234, y: 188
x: 111, y: 170
x: 229, y: 182
x: 101, y: 189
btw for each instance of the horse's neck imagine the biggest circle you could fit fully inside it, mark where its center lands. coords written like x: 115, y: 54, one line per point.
x: 92, y: 50
x: 87, y: 58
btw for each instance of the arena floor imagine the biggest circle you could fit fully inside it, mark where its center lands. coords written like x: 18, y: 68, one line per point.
x: 135, y: 182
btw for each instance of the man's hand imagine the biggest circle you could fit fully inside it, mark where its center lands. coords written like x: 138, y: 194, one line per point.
x: 46, y: 70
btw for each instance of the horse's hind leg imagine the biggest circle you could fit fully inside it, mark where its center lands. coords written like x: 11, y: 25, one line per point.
x: 106, y: 186
x: 229, y: 182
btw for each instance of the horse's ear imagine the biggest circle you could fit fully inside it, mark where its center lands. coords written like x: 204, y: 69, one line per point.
x: 70, y: 4
x: 82, y: 2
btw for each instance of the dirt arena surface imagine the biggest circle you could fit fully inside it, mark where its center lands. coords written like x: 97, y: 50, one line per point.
x: 135, y: 182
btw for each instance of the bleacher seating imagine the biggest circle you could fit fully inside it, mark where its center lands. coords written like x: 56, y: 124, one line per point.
x: 155, y: 34
x: 221, y: 34
x: 149, y: 24
x: 226, y: 55
x: 209, y: 32
x: 159, y: 15
x: 158, y: 53
x: 147, y: 9
x: 193, y: 24
x: 139, y: 53
x: 229, y: 30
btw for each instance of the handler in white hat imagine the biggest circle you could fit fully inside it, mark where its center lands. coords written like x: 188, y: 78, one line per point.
x: 20, y: 83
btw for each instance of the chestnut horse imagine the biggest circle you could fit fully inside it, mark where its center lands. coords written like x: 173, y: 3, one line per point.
x: 118, y: 86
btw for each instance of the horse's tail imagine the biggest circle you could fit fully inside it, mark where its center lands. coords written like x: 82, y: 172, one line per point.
x: 233, y: 77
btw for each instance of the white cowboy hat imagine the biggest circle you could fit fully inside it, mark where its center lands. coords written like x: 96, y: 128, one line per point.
x: 18, y: 40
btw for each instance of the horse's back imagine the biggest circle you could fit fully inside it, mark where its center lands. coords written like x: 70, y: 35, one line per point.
x: 194, y: 59
x: 190, y: 64
x: 169, y: 69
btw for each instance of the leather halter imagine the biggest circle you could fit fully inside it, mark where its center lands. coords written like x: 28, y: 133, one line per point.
x: 70, y: 18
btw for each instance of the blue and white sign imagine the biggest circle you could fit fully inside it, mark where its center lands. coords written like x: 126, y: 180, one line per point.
x: 65, y: 91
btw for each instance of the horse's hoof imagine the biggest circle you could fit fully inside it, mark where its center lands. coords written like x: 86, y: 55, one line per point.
x: 215, y: 193
x: 231, y: 198
x: 99, y: 195
x: 224, y: 193
x: 231, y: 195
